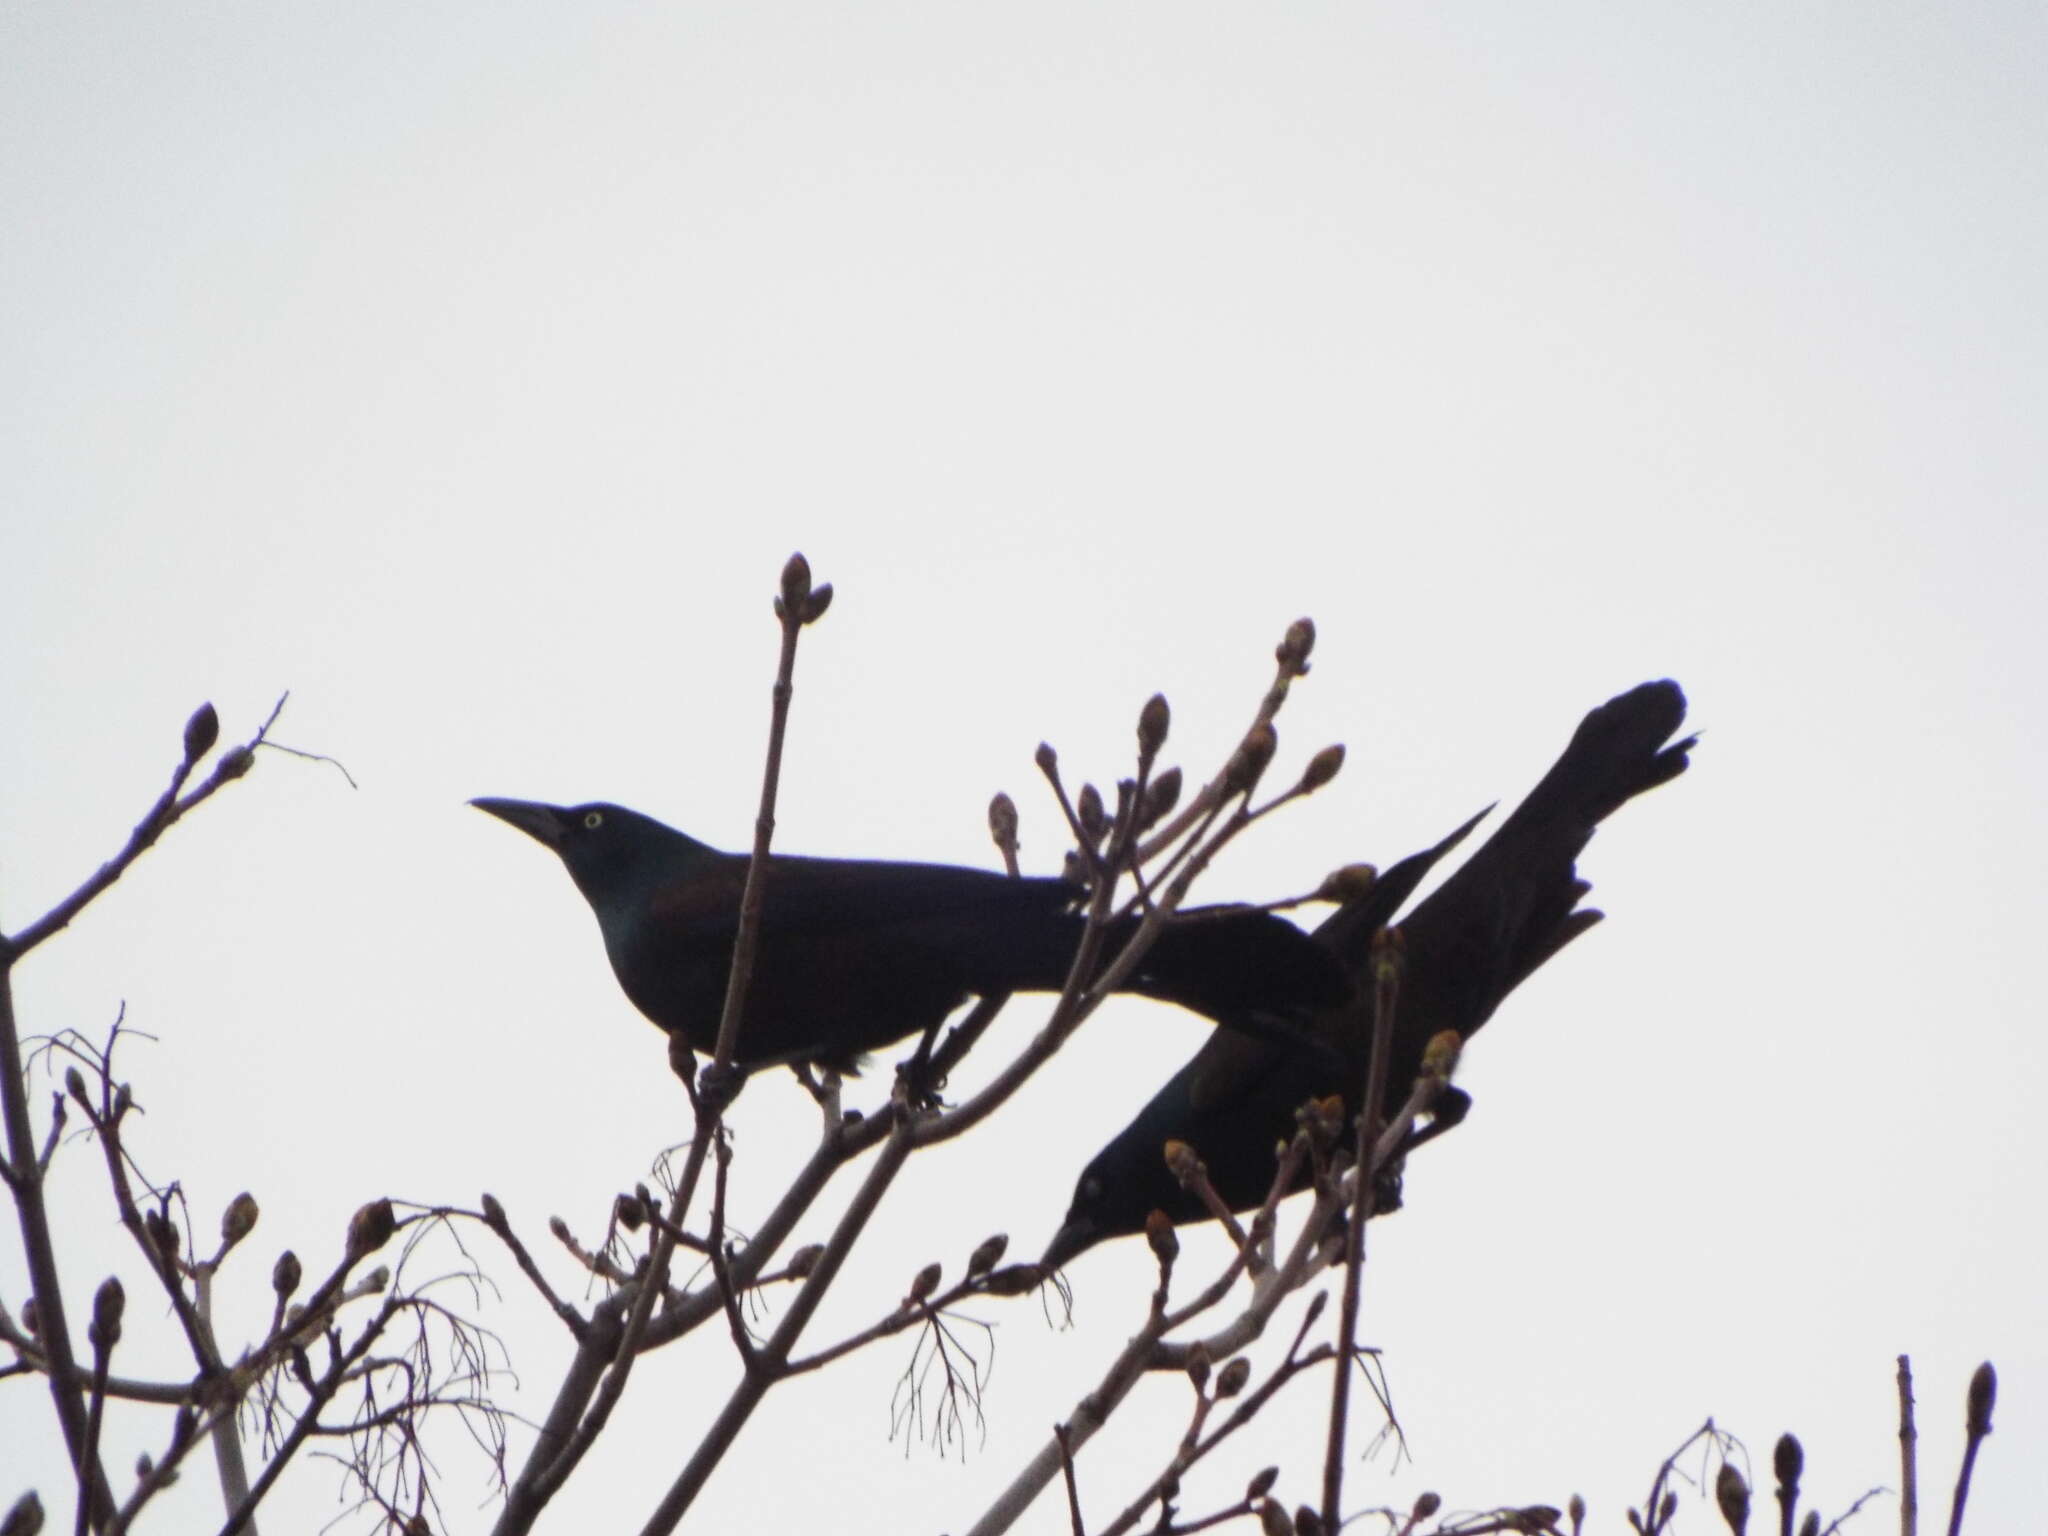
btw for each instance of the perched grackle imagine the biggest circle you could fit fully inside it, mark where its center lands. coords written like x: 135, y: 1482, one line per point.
x: 1513, y: 905
x: 856, y: 953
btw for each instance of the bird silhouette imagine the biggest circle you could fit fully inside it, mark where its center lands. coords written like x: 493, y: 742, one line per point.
x: 854, y: 953
x: 1471, y: 942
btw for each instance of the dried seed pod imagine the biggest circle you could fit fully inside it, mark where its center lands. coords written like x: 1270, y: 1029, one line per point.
x: 1013, y: 1280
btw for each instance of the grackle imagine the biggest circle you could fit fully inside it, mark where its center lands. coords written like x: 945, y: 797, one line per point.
x: 1513, y: 905
x: 855, y: 953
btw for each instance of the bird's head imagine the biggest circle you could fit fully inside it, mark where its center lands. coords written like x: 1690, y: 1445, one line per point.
x: 612, y: 854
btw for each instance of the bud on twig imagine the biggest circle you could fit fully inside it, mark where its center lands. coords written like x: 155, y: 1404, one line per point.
x: 1316, y: 1303
x: 1161, y: 796
x: 74, y: 1084
x: 1983, y: 1398
x: 162, y: 1234
x: 1426, y: 1504
x: 1248, y: 763
x: 494, y: 1212
x: 805, y: 1259
x: 1013, y: 1280
x: 628, y: 1212
x: 370, y: 1229
x: 1002, y: 822
x: 796, y: 589
x: 1198, y: 1366
x: 1732, y: 1494
x: 1273, y: 1519
x: 201, y: 732
x: 1182, y: 1162
x: 1788, y: 1460
x: 1347, y: 884
x: 1164, y: 1241
x: 987, y: 1255
x: 285, y: 1275
x: 1088, y: 809
x: 108, y: 1302
x: 1307, y: 1522
x: 1262, y: 1483
x: 238, y: 762
x: 238, y: 1220
x: 1575, y: 1507
x: 1293, y: 650
x: 32, y: 1318
x: 921, y: 1288
x: 1440, y: 1056
x: 1048, y: 760
x: 819, y: 600
x: 1322, y: 768
x: 25, y: 1518
x: 1810, y: 1526
x: 1231, y: 1379
x: 1153, y: 721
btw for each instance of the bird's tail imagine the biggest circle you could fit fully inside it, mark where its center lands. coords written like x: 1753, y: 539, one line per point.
x: 1247, y: 969
x: 1515, y: 902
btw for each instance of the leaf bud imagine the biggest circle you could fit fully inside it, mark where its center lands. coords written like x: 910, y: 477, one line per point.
x: 74, y: 1084
x: 1347, y: 884
x: 1048, y: 760
x: 1274, y: 1519
x: 108, y: 1303
x: 805, y: 1259
x: 1810, y: 1526
x: 238, y: 1220
x: 1198, y: 1366
x: 1293, y: 651
x: 143, y: 1465
x: 237, y: 762
x: 1182, y: 1162
x: 1013, y: 1280
x: 560, y: 1229
x: 1231, y: 1379
x: 25, y: 1518
x: 285, y: 1274
x: 922, y: 1286
x: 32, y: 1318
x: 1088, y: 810
x: 1322, y: 768
x: 1788, y: 1460
x: 796, y: 588
x: 370, y: 1229
x: 1576, y: 1508
x: 1732, y: 1494
x: 1161, y: 796
x: 1983, y: 1397
x: 1002, y: 821
x: 376, y: 1280
x: 184, y: 1423
x: 201, y: 732
x: 629, y: 1213
x: 1440, y: 1056
x: 1159, y: 1233
x: 1316, y: 1303
x: 1262, y: 1483
x: 1307, y: 1522
x: 987, y: 1255
x: 816, y: 604
x: 1153, y: 721
x: 1536, y: 1517
x: 162, y: 1233
x: 1248, y: 763
x: 1427, y: 1503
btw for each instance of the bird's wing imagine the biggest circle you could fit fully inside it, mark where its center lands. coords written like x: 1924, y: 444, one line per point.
x: 813, y: 895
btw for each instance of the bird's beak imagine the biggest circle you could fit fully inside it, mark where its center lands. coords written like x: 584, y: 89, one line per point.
x: 542, y: 823
x: 1075, y: 1236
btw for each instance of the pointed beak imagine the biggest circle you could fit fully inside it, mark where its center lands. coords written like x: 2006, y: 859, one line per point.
x: 542, y: 823
x: 1075, y: 1237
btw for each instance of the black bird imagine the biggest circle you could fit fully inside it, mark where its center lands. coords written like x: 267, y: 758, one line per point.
x: 1513, y: 905
x: 855, y: 953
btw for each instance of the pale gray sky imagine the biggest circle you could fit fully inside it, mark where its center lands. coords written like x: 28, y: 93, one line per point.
x: 469, y: 371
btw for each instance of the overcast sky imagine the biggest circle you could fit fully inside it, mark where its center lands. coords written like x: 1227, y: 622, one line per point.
x: 469, y: 372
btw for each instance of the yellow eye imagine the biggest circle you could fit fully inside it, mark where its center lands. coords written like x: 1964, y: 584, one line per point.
x: 592, y: 820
